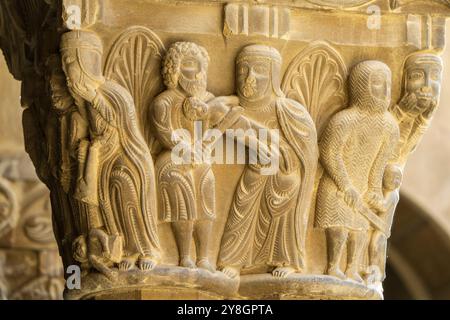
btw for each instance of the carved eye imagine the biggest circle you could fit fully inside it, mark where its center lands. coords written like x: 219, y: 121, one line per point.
x: 261, y: 69
x: 416, y: 75
x: 435, y: 74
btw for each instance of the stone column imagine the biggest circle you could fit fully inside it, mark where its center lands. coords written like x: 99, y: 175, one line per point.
x: 30, y: 266
x: 132, y: 111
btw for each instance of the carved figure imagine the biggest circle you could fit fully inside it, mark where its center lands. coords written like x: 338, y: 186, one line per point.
x: 268, y: 217
x: 187, y: 190
x: 316, y: 78
x: 355, y: 148
x: 378, y: 243
x: 99, y: 251
x: 114, y: 163
x: 421, y: 90
x: 3, y: 285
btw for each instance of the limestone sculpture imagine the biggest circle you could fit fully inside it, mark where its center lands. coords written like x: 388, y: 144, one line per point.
x: 266, y: 224
x: 186, y: 190
x: 115, y: 172
x: 355, y: 148
x: 421, y: 90
x: 125, y: 117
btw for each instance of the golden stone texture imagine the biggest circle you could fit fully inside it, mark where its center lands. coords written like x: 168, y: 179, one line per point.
x: 343, y: 90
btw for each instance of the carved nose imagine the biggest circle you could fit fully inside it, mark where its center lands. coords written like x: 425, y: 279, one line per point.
x: 251, y: 77
x: 427, y: 89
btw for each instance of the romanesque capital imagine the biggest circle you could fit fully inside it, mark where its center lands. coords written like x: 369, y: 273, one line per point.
x: 228, y: 150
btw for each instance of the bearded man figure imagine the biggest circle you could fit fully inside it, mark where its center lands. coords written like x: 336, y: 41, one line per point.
x: 187, y: 189
x: 266, y: 226
x: 355, y: 149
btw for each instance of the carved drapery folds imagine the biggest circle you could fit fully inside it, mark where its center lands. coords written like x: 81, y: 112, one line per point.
x: 307, y: 211
x: 29, y: 262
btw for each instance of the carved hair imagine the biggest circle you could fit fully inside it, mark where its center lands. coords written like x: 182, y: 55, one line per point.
x: 172, y: 60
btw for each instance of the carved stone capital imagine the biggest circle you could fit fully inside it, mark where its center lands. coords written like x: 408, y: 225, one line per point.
x: 223, y: 150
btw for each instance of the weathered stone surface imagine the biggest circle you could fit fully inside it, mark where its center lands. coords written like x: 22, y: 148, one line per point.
x: 126, y: 119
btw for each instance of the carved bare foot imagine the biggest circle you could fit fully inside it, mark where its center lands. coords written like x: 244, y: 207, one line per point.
x: 231, y: 272
x: 282, y: 272
x: 126, y: 264
x: 336, y: 272
x: 204, y: 264
x: 146, y: 263
x: 354, y: 275
x: 187, y: 262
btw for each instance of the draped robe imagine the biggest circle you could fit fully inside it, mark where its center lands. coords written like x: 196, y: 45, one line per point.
x: 269, y: 214
x: 125, y: 180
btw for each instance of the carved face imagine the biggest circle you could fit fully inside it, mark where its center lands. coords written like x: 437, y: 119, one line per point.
x: 253, y: 78
x: 423, y: 79
x: 79, y: 249
x: 193, y: 76
x: 380, y: 87
x: 80, y: 77
x: 392, y: 178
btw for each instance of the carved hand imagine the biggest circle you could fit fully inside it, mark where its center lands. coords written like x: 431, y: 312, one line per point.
x: 219, y: 107
x: 375, y: 201
x: 194, y: 109
x: 428, y: 114
x: 227, y: 101
x: 87, y: 92
x: 408, y: 103
x: 352, y: 197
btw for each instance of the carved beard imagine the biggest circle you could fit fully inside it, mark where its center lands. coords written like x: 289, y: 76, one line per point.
x: 195, y: 88
x: 249, y: 88
x: 424, y: 100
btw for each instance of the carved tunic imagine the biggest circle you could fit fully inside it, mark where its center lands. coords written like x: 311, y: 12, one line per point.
x: 355, y: 149
x: 125, y: 171
x: 268, y: 217
x: 186, y: 190
x: 412, y: 129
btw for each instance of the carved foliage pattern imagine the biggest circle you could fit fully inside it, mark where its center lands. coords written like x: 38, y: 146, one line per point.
x: 316, y: 78
x: 134, y: 62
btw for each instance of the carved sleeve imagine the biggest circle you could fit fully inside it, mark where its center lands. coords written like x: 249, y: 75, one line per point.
x: 104, y: 110
x: 162, y: 122
x: 419, y: 128
x: 332, y: 145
